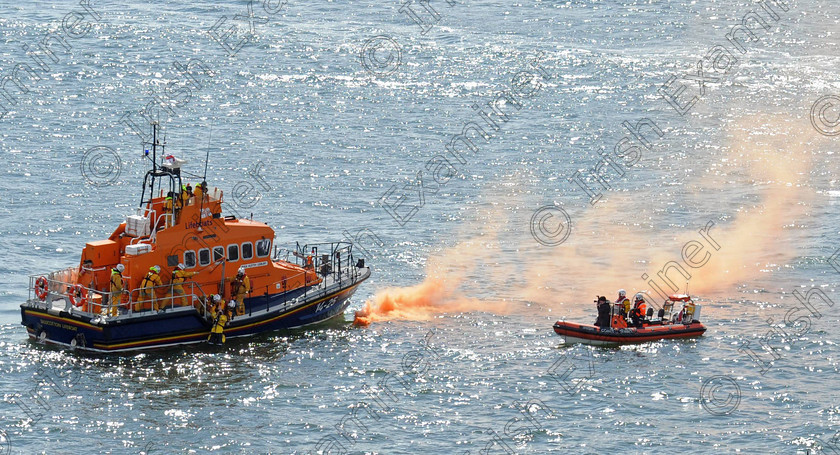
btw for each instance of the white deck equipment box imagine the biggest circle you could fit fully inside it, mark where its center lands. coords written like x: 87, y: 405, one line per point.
x: 137, y: 249
x: 137, y: 226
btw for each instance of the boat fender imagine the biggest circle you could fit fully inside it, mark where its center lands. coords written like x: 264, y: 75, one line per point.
x: 79, y: 296
x: 41, y: 288
x: 78, y: 341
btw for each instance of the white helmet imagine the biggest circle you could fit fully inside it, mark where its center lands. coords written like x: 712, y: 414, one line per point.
x: 217, y: 298
x: 241, y: 271
x: 232, y: 304
x: 639, y: 297
x: 156, y: 268
x: 182, y: 266
x: 120, y: 268
x: 622, y: 293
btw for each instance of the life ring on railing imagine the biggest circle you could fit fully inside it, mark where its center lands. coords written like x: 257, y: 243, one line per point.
x: 41, y: 288
x: 79, y: 297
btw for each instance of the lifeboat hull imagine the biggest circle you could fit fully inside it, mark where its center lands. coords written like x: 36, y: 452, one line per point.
x: 593, y: 335
x: 184, y: 325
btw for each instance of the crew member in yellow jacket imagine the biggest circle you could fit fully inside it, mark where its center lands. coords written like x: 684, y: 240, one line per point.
x: 217, y: 333
x: 240, y: 286
x: 178, y: 278
x: 117, y: 286
x: 148, y: 293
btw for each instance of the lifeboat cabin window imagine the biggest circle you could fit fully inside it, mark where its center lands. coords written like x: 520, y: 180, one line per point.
x: 189, y: 259
x: 263, y: 247
x: 247, y: 251
x: 204, y: 256
x: 233, y: 252
x: 218, y: 253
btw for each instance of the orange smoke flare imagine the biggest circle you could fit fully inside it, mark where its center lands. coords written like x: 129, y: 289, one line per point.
x: 613, y: 244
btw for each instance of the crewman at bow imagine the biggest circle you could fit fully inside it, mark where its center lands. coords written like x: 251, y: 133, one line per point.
x: 603, y: 320
x: 309, y: 260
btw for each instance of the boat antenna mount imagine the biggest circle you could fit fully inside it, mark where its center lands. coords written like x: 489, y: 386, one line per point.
x: 203, y: 180
x: 157, y: 172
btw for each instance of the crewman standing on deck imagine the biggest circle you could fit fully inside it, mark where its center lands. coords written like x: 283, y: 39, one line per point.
x: 639, y: 310
x: 168, y: 212
x: 623, y: 301
x: 603, y: 320
x: 200, y: 192
x: 185, y: 195
x: 240, y: 286
x: 148, y: 296
x: 310, y: 264
x: 117, y: 286
x: 178, y: 278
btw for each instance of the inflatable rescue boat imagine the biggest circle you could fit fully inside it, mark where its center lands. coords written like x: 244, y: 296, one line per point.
x: 684, y: 324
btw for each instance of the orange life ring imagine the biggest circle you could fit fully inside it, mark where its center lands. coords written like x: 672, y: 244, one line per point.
x: 79, y: 297
x: 41, y: 288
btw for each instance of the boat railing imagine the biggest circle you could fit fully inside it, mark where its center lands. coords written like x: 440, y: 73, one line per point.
x: 142, y: 301
x: 336, y: 269
x: 323, y: 257
x: 62, y: 285
x: 333, y: 263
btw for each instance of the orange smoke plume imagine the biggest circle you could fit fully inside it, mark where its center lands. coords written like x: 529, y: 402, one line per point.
x: 445, y: 288
x: 616, y: 241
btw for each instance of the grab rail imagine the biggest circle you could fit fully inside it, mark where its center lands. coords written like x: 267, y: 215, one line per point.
x: 94, y: 302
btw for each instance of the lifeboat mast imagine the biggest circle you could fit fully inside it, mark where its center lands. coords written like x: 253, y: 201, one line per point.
x: 159, y: 172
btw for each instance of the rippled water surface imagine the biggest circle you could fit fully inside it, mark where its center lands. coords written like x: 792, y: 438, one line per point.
x: 298, y: 100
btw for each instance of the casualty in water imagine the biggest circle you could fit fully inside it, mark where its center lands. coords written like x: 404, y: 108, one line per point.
x: 178, y: 272
x: 620, y: 323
